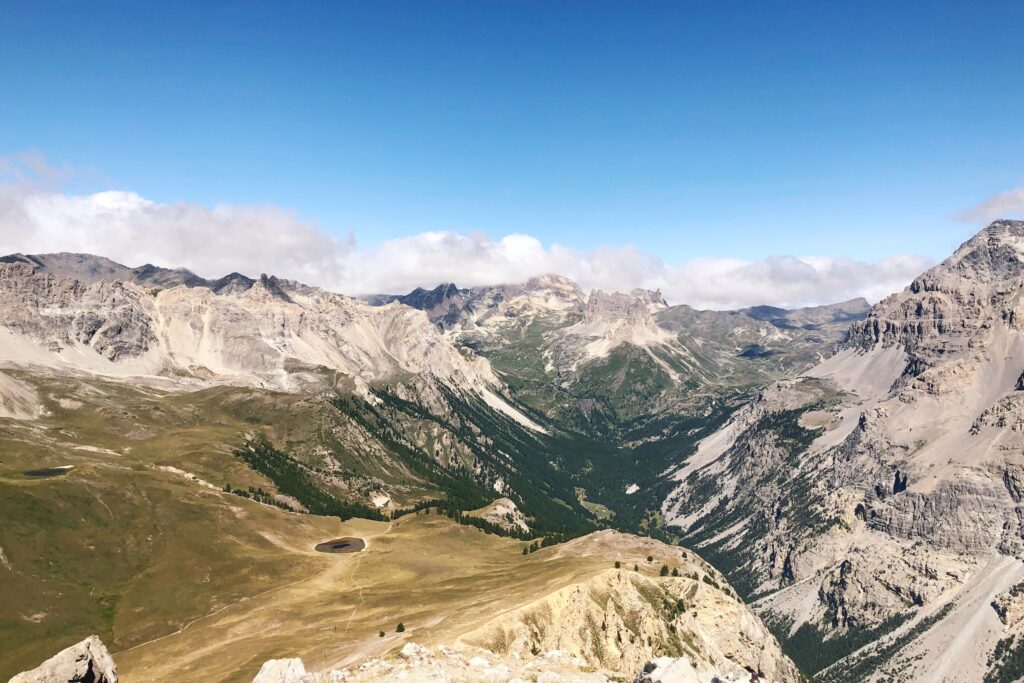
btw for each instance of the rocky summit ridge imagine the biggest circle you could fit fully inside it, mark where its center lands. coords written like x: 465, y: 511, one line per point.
x: 85, y: 313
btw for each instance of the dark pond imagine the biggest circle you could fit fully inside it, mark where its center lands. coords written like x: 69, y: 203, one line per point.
x: 341, y: 545
x: 47, y: 472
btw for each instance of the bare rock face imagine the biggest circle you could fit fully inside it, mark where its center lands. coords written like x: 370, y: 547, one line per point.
x: 954, y: 308
x: 623, y: 618
x: 111, y: 319
x: 87, y: 662
x: 890, y: 489
x: 268, y: 332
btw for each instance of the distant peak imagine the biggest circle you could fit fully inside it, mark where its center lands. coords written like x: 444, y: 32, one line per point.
x: 549, y: 279
x: 275, y: 287
x: 1007, y: 224
x: 1002, y: 230
x: 232, y: 283
x: 21, y: 258
x: 652, y: 297
x: 994, y: 254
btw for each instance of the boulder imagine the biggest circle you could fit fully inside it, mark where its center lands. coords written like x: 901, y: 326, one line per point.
x: 281, y: 671
x: 87, y: 661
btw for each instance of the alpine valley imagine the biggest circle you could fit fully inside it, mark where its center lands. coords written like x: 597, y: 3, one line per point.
x: 251, y: 478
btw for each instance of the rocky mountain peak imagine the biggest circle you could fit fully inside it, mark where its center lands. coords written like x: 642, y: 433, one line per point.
x: 31, y: 261
x: 90, y: 269
x: 275, y: 287
x: 957, y: 305
x: 84, y: 267
x: 233, y: 283
x: 437, y: 298
x: 912, y: 443
x: 994, y: 255
x: 652, y: 297
x: 632, y: 308
x: 442, y: 304
x: 155, y: 276
x: 556, y: 283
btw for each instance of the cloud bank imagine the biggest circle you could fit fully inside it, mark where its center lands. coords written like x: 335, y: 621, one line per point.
x: 266, y: 239
x: 1007, y: 204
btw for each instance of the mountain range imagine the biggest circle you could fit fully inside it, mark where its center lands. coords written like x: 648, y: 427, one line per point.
x: 523, y: 459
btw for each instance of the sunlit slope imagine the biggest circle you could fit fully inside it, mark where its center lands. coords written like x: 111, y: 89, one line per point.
x: 449, y: 584
x: 137, y: 538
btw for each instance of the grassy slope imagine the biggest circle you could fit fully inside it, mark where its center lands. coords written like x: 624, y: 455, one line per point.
x: 127, y: 550
x: 119, y: 547
x: 439, y: 579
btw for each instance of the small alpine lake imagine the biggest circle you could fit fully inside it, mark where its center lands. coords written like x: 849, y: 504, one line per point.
x: 48, y: 472
x: 341, y: 545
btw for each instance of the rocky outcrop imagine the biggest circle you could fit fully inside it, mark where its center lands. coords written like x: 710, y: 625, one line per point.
x: 624, y: 617
x: 85, y: 662
x: 680, y: 670
x: 417, y: 663
x: 281, y: 671
x: 503, y: 513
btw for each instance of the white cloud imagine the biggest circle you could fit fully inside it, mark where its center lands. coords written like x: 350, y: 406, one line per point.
x: 1007, y: 204
x: 130, y: 229
x: 133, y: 230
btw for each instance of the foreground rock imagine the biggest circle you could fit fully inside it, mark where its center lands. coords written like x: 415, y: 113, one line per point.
x: 470, y: 665
x: 87, y: 661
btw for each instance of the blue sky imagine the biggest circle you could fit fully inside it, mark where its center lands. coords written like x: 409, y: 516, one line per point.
x: 684, y: 129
